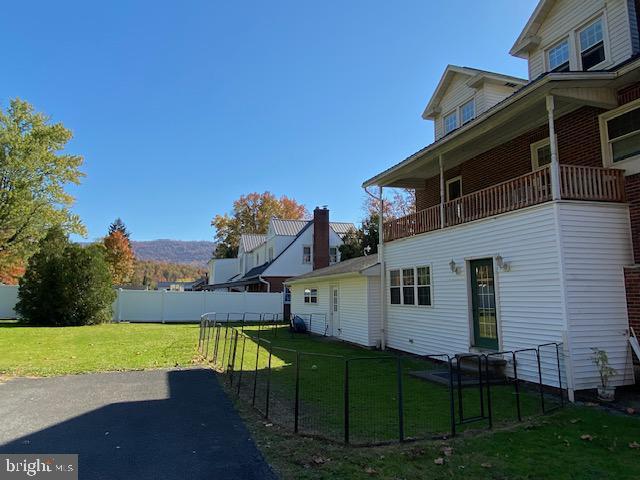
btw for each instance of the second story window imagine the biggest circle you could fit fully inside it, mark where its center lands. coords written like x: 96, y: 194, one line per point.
x: 450, y: 122
x: 468, y: 111
x: 270, y: 253
x: 333, y: 254
x: 558, y: 57
x: 306, y: 254
x: 592, y: 45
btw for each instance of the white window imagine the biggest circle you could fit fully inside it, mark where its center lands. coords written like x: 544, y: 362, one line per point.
x: 310, y: 295
x: 333, y: 254
x: 410, y: 286
x: 558, y: 57
x: 270, y: 253
x: 540, y: 154
x: 591, y: 39
x: 306, y: 254
x: 454, y: 188
x: 468, y: 111
x: 450, y: 122
x: 620, y: 135
x: 287, y: 295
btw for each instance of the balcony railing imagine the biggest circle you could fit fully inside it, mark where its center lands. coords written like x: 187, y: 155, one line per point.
x: 576, y: 183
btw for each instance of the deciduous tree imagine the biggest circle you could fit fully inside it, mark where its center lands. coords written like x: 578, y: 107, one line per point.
x: 119, y: 256
x: 251, y: 214
x: 33, y: 175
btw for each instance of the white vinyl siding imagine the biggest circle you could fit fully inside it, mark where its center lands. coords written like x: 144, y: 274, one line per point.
x: 359, y: 307
x: 596, y: 246
x: 569, y: 16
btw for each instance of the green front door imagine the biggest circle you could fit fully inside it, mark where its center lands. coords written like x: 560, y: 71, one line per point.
x: 483, y: 303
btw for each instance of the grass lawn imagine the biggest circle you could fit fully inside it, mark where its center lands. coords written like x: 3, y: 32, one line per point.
x: 373, y: 389
x: 573, y: 443
x: 43, y: 351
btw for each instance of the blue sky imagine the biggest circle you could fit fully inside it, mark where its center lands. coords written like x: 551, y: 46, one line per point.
x: 180, y: 107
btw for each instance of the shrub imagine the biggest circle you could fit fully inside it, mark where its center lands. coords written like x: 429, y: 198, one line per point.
x: 65, y: 284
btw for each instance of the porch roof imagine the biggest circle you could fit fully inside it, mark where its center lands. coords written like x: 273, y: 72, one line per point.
x: 517, y: 114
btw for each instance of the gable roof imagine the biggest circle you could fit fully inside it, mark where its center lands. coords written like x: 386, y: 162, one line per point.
x: 528, y: 37
x: 475, y: 77
x: 353, y: 265
x: 294, y: 227
x: 249, y: 241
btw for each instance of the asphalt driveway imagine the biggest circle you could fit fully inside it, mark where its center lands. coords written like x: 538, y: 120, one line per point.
x: 160, y: 424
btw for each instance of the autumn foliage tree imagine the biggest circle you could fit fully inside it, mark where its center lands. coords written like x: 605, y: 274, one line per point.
x: 251, y: 214
x: 119, y: 256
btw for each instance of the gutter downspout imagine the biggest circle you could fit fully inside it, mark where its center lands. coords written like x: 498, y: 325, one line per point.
x: 383, y: 290
x: 262, y: 280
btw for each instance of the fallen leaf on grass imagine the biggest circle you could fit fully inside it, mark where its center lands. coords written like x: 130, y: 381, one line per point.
x: 586, y: 437
x: 634, y: 445
x: 631, y: 411
x: 486, y: 465
x: 318, y: 460
x: 268, y: 424
x: 370, y: 471
x: 448, y: 451
x: 575, y: 420
x: 439, y: 461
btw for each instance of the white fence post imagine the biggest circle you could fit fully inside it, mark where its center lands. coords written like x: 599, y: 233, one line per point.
x: 162, y: 305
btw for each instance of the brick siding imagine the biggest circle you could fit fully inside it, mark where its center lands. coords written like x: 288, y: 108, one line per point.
x: 632, y: 283
x: 578, y: 136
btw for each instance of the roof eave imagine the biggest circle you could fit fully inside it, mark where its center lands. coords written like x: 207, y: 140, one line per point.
x: 535, y: 88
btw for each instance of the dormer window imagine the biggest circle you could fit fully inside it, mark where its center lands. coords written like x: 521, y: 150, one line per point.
x: 468, y: 111
x: 450, y: 122
x: 592, y: 45
x: 558, y: 57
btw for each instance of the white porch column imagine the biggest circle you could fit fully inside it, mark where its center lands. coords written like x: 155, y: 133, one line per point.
x: 553, y: 145
x: 442, y: 194
x: 383, y: 288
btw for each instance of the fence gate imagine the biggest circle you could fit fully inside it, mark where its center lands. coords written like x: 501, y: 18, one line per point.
x: 469, y: 381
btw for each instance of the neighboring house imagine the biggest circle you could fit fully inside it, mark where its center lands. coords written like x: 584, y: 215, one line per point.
x: 290, y: 248
x: 347, y: 297
x: 175, y: 286
x: 528, y: 204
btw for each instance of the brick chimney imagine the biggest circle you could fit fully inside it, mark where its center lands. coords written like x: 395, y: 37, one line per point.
x: 320, y: 238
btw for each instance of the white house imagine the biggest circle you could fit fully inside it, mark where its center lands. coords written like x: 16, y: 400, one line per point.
x: 290, y: 248
x: 527, y: 227
x: 344, y: 298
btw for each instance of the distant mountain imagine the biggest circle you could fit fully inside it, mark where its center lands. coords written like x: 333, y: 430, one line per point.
x: 195, y: 253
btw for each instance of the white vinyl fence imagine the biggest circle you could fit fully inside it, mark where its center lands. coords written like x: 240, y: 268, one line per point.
x: 165, y: 306
x: 8, y: 300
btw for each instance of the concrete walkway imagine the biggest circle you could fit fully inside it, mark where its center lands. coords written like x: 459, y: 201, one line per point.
x: 160, y: 424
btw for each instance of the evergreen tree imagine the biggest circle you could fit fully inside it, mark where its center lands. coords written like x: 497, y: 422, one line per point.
x: 119, y: 226
x: 65, y: 284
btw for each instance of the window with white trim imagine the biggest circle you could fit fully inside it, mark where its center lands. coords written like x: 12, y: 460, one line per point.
x: 270, y: 253
x: 591, y: 40
x: 558, y: 57
x: 450, y: 122
x: 333, y: 254
x: 540, y: 154
x: 306, y: 254
x: 310, y: 295
x: 468, y: 111
x: 287, y: 295
x: 454, y: 188
x: 410, y: 286
x: 620, y: 132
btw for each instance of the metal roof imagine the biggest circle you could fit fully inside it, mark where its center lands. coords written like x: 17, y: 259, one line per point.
x: 293, y: 227
x: 249, y: 241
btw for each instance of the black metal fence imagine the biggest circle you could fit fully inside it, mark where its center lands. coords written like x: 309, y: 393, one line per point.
x: 377, y: 398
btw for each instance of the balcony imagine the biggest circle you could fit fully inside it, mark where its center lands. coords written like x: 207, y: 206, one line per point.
x: 576, y: 183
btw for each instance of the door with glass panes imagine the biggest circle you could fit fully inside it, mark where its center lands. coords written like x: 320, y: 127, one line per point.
x: 483, y: 304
